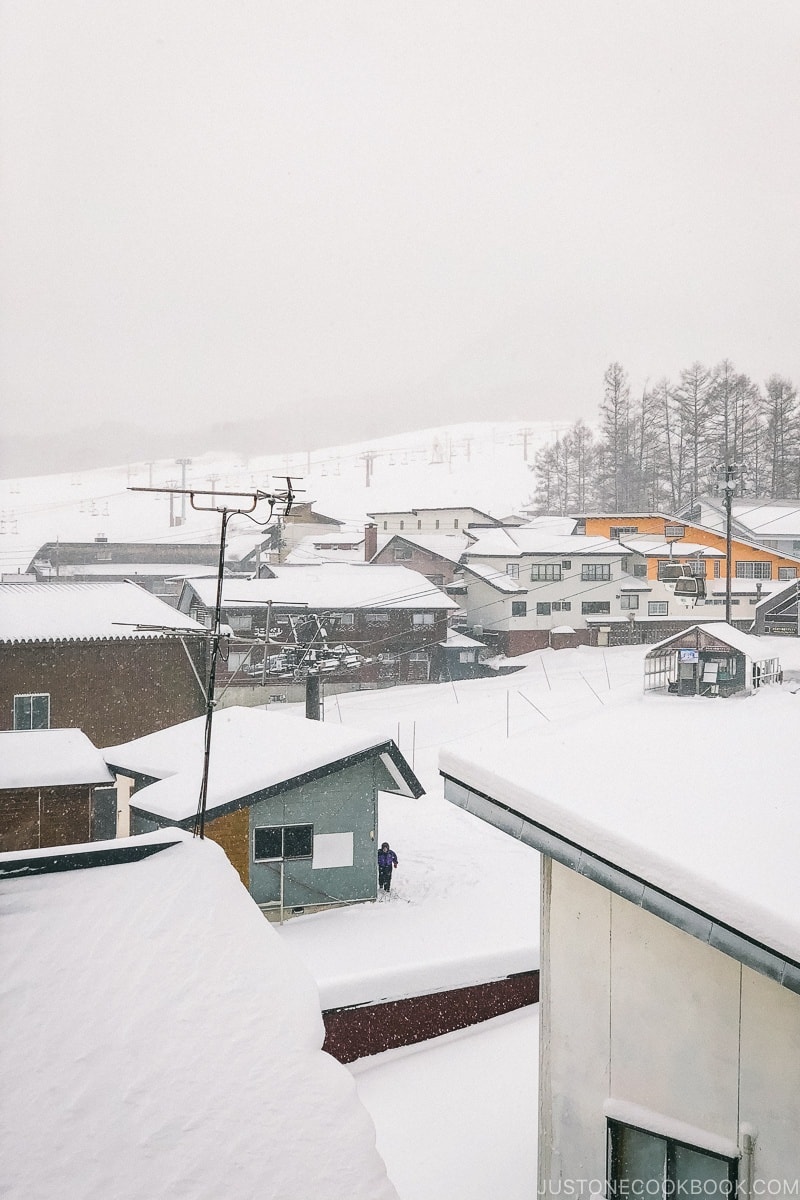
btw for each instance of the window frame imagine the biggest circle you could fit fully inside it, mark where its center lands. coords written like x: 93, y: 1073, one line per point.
x: 671, y: 1184
x: 543, y: 608
x: 423, y: 618
x: 595, y: 608
x: 512, y: 570
x: 545, y: 572
x: 658, y: 608
x: 29, y: 696
x: 629, y: 601
x: 403, y: 553
x: 283, y: 857
x: 595, y: 572
x: 519, y: 608
x: 752, y: 568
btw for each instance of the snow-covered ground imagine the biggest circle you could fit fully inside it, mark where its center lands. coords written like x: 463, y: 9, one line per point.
x: 464, y: 906
x: 480, y: 464
x: 456, y: 1117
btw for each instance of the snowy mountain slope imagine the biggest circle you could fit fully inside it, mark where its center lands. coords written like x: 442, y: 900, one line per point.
x: 482, y: 464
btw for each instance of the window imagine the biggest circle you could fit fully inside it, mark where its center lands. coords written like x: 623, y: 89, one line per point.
x: 275, y: 842
x: 566, y: 564
x: 402, y: 524
x: 640, y: 570
x: 437, y: 523
x: 697, y: 566
x: 618, y: 531
x: 637, y: 1160
x: 342, y: 618
x: 32, y: 711
x: 562, y: 605
x: 629, y: 602
x: 787, y: 572
x: 385, y: 524
x: 657, y: 608
x: 419, y: 524
x: 543, y: 609
x: 422, y: 618
x: 595, y: 607
x: 512, y: 570
x: 595, y: 571
x: 240, y: 622
x: 519, y: 608
x: 716, y: 568
x: 455, y: 523
x: 674, y: 531
x: 753, y: 570
x: 402, y: 552
x: 545, y: 572
x: 378, y: 618
x: 418, y: 656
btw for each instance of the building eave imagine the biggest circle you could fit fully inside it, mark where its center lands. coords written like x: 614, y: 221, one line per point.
x: 621, y: 882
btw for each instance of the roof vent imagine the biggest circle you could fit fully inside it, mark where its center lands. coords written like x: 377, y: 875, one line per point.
x: 101, y: 537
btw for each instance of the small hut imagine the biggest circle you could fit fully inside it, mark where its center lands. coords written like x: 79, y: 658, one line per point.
x: 714, y: 659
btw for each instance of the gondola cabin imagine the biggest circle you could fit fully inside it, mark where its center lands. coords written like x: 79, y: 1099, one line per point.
x: 714, y: 659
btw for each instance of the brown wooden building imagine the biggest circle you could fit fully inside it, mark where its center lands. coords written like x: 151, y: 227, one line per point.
x: 389, y: 615
x: 54, y: 790
x: 107, y: 658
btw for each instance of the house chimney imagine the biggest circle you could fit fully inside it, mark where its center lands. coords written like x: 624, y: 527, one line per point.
x: 370, y: 541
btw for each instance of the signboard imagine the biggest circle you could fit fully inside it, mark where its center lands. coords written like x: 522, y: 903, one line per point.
x: 689, y: 656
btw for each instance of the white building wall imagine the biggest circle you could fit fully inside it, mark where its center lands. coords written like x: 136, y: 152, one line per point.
x: 636, y: 1012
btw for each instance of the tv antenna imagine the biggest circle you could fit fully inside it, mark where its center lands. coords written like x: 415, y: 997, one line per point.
x: 228, y: 505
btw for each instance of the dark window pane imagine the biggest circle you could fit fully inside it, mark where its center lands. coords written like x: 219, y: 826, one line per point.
x: 40, y: 712
x: 693, y: 1166
x: 641, y: 1159
x: 297, y: 841
x: 22, y: 712
x: 268, y: 843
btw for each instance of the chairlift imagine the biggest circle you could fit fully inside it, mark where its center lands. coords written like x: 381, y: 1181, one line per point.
x: 671, y: 572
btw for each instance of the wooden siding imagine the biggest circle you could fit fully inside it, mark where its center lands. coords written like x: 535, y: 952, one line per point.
x: 654, y: 527
x: 113, y: 690
x: 232, y: 833
x: 52, y: 816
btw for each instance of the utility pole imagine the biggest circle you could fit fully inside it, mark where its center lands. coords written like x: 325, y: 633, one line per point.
x: 227, y: 504
x: 729, y: 487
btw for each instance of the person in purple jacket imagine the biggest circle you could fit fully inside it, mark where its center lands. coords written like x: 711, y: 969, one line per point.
x: 387, y: 860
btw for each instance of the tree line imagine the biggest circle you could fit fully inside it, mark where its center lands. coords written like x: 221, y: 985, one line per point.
x: 661, y: 450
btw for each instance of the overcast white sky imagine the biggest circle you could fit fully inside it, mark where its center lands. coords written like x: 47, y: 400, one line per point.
x: 456, y: 208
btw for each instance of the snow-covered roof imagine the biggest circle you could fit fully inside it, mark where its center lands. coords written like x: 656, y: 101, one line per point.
x: 163, y: 1040
x: 129, y: 569
x: 508, y: 543
x: 745, y: 643
x: 653, y: 547
x: 461, y: 639
x: 253, y: 750
x: 449, y: 546
x: 771, y: 519
x: 498, y: 579
x: 725, y: 844
x: 562, y: 629
x: 79, y: 611
x: 330, y: 586
x: 50, y: 758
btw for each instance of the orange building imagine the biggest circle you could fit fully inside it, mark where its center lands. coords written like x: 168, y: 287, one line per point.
x: 663, y: 538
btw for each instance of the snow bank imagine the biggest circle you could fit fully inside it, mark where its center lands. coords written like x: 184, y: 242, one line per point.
x: 160, y: 1040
